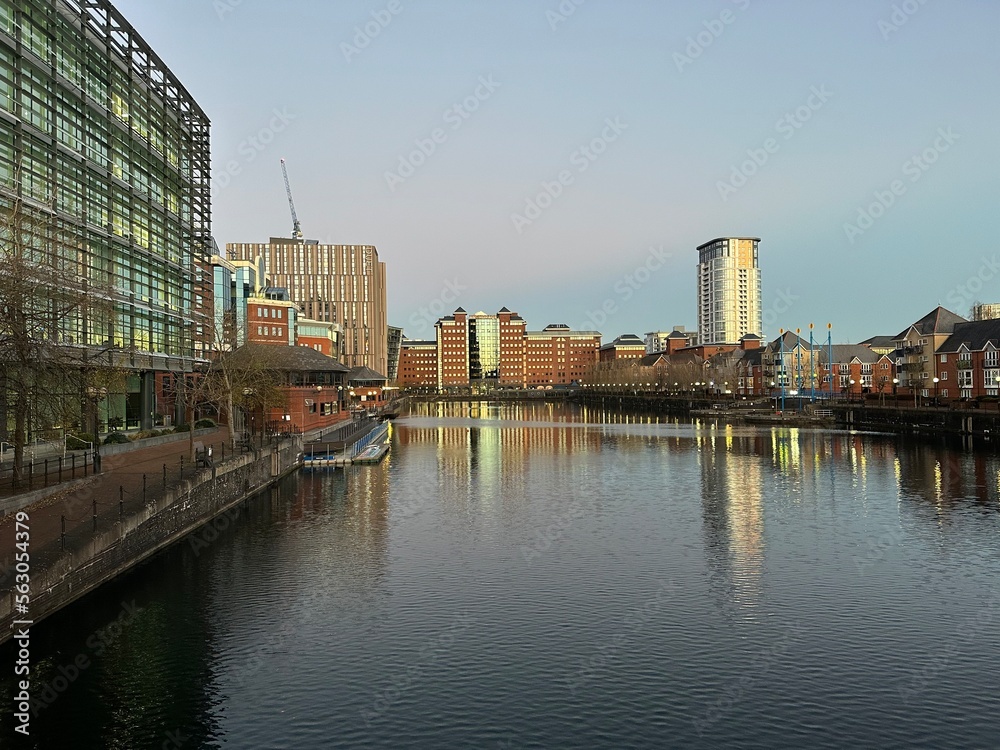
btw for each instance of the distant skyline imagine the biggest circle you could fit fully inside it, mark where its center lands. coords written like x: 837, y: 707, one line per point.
x: 548, y: 155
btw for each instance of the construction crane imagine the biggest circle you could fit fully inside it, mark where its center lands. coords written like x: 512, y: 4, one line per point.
x: 296, y: 227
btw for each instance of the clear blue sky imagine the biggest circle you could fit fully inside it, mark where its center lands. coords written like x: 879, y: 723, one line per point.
x: 889, y: 86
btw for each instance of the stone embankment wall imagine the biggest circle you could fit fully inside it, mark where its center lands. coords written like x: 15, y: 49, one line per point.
x: 113, y: 550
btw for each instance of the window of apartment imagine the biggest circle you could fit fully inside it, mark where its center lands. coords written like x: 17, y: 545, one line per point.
x: 260, y: 330
x: 944, y: 375
x: 990, y: 358
x: 944, y: 357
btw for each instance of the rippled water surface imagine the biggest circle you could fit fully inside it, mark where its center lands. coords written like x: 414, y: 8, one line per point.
x: 545, y: 577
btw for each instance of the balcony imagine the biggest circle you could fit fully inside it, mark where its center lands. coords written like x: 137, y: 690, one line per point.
x: 918, y: 349
x: 963, y: 364
x: 911, y: 367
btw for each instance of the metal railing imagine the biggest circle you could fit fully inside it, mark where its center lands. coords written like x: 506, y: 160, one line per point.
x: 41, y: 472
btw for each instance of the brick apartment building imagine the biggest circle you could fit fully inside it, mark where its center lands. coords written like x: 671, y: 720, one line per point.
x: 484, y: 350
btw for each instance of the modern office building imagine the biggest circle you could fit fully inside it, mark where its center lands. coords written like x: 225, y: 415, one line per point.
x: 342, y: 284
x: 728, y: 290
x: 394, y: 340
x: 109, y: 155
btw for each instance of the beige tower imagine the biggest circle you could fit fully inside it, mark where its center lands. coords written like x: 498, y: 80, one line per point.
x: 728, y: 290
x: 342, y: 284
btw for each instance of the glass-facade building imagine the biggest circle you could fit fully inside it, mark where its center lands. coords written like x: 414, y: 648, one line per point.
x: 107, y: 148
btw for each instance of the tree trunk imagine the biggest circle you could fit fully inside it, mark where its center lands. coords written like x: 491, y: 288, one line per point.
x: 20, y: 437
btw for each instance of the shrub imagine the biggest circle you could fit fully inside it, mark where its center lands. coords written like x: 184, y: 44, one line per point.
x: 79, y: 442
x: 182, y: 428
x: 148, y: 434
x: 205, y: 423
x: 116, y: 438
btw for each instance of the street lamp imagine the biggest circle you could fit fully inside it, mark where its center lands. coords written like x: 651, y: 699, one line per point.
x: 936, y: 381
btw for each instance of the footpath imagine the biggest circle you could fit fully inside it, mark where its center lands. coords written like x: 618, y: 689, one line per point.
x: 125, y: 483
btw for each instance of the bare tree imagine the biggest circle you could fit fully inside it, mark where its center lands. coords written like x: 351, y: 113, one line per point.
x: 235, y: 377
x: 54, y: 304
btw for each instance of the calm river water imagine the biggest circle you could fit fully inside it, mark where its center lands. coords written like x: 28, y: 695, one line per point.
x: 543, y: 576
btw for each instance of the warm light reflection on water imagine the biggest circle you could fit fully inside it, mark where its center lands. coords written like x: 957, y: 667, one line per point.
x: 539, y: 575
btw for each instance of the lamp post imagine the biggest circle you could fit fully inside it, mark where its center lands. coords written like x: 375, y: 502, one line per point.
x: 936, y: 381
x: 850, y: 390
x: 997, y: 381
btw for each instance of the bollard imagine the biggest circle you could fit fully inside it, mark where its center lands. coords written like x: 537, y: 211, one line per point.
x: 121, y: 502
x: 60, y: 469
x: 143, y: 489
x: 164, y: 476
x: 62, y: 535
x: 85, y: 464
x: 182, y: 468
x: 95, y: 515
x: 73, y: 470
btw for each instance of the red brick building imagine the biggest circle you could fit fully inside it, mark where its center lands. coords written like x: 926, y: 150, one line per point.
x: 418, y: 365
x: 626, y: 346
x: 512, y: 349
x: 558, y: 355
x: 271, y: 321
x: 968, y: 362
x: 481, y: 350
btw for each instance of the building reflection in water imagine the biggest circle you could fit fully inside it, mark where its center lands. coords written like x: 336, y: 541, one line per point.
x: 493, y: 466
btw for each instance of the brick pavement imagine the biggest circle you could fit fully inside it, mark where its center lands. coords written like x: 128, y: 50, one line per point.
x: 120, y: 479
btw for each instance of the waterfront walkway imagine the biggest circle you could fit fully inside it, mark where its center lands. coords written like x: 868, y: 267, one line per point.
x: 93, y: 505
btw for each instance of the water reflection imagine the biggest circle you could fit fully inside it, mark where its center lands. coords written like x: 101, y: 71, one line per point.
x: 326, y: 588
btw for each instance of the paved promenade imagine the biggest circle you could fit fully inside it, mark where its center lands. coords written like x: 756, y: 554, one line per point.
x: 118, y: 487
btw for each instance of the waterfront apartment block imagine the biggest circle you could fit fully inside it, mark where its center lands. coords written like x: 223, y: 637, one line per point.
x: 417, y: 364
x: 106, y: 155
x: 728, y: 290
x: 968, y: 362
x: 558, y: 355
x: 669, y: 341
x: 917, y: 348
x: 485, y: 351
x: 986, y: 311
x: 626, y: 346
x: 343, y: 284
